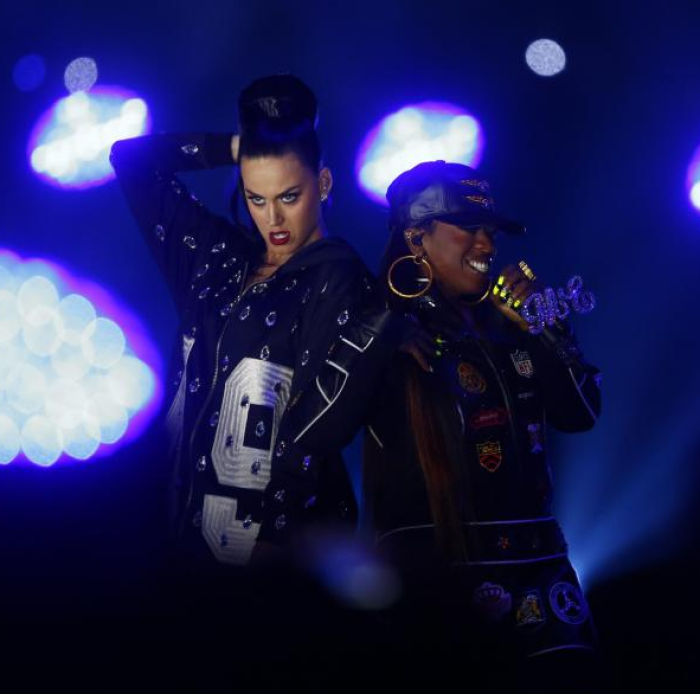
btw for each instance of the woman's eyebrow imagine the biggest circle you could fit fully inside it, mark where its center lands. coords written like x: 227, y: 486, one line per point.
x: 291, y: 189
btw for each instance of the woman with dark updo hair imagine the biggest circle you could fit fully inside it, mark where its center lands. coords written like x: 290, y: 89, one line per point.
x: 262, y: 309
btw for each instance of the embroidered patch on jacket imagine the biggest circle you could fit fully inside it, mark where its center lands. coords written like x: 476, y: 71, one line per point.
x: 491, y: 601
x: 496, y: 417
x: 568, y: 603
x: 534, y: 431
x: 490, y: 456
x: 529, y: 611
x: 470, y: 379
x: 522, y: 363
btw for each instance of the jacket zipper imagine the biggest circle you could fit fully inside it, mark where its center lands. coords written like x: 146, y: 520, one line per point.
x: 207, y: 400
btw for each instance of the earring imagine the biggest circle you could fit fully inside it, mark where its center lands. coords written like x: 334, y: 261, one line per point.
x: 416, y: 239
x: 481, y: 298
x: 324, y: 196
x: 428, y: 281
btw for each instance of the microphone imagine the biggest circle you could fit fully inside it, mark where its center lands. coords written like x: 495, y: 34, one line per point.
x: 547, y: 307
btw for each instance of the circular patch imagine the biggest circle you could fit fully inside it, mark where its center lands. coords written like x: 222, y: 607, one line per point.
x: 470, y: 379
x: 568, y: 603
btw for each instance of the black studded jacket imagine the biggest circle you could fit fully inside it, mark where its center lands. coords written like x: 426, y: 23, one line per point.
x: 493, y: 395
x: 246, y: 402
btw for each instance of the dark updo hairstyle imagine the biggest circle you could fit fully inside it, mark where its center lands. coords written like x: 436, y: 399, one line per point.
x: 278, y: 115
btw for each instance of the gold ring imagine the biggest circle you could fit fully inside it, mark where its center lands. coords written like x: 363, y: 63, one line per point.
x: 527, y: 271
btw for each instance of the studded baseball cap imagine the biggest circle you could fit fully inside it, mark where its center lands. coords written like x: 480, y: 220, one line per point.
x: 443, y: 190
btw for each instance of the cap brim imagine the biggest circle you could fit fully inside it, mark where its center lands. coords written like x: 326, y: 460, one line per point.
x: 474, y: 217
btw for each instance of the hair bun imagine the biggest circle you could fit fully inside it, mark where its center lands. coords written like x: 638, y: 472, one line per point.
x: 277, y: 99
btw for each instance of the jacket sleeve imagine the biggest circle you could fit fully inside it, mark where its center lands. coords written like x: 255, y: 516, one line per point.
x: 333, y: 394
x: 344, y: 347
x: 183, y: 235
x: 570, y: 385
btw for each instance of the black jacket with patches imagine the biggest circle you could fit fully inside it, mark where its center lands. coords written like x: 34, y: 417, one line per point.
x: 243, y: 384
x: 493, y: 395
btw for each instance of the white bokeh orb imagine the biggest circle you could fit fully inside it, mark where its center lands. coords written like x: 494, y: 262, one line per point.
x: 42, y: 330
x: 112, y: 417
x: 42, y: 441
x: 545, y: 57
x: 103, y: 343
x: 82, y: 440
x: 10, y: 440
x: 130, y: 382
x: 10, y: 319
x: 25, y: 388
x: 77, y: 313
x: 36, y: 291
x: 68, y: 361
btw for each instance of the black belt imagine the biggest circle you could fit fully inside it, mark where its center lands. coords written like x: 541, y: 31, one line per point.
x: 487, y: 542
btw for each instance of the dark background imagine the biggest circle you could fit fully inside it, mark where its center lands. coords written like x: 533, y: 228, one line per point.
x: 593, y: 160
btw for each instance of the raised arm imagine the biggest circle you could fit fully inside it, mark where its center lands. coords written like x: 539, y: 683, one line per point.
x: 183, y: 235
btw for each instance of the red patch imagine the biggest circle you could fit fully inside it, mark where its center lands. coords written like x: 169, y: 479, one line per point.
x: 488, y: 418
x: 490, y: 456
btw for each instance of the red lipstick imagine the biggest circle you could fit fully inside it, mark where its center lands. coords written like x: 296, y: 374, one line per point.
x: 279, y: 238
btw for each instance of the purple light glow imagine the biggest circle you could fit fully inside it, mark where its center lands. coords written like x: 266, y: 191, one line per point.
x: 66, y: 396
x: 70, y: 144
x: 416, y: 133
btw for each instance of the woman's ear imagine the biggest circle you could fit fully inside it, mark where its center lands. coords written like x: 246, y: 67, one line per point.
x: 325, y: 183
x: 414, y: 240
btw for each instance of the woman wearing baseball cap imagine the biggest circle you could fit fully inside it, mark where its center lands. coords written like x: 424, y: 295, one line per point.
x: 457, y: 483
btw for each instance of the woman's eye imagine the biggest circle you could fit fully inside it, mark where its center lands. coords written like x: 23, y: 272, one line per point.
x: 256, y: 200
x: 290, y: 197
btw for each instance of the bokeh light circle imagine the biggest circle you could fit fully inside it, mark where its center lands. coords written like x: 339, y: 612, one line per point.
x: 72, y: 379
x: 80, y: 75
x: 545, y: 57
x: 70, y: 144
x: 29, y: 72
x: 416, y: 133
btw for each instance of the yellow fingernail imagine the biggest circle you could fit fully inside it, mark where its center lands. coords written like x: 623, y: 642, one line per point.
x: 495, y: 291
x: 517, y: 303
x: 501, y: 280
x: 504, y: 293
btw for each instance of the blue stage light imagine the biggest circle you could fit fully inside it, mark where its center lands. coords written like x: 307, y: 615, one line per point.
x: 69, y: 147
x: 29, y: 72
x: 693, y: 180
x: 545, y: 57
x: 72, y: 380
x: 420, y: 132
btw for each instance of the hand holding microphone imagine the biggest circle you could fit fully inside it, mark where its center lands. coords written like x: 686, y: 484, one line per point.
x: 514, y: 285
x: 517, y: 297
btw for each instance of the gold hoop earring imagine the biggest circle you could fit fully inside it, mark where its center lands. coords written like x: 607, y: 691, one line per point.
x: 481, y: 298
x: 423, y: 260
